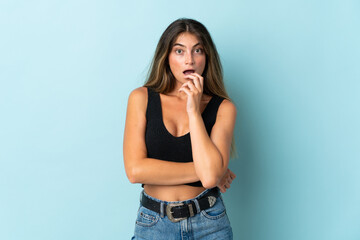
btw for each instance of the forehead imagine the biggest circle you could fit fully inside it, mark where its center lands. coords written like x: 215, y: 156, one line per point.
x: 187, y: 38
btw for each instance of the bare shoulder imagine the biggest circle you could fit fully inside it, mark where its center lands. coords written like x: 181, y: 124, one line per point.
x: 138, y: 98
x: 224, y: 126
x: 227, y: 109
x: 138, y: 93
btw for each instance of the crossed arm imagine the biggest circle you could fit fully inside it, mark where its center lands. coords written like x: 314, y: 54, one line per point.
x: 211, y: 154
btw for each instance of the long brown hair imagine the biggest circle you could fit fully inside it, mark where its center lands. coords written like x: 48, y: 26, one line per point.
x: 160, y: 77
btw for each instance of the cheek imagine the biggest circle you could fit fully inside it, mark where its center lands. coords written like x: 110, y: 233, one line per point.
x: 202, y: 62
x: 174, y: 64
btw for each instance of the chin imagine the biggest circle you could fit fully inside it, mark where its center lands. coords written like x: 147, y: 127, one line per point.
x: 181, y: 80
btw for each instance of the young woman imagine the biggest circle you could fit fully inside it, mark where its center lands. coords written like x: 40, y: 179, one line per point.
x: 178, y: 138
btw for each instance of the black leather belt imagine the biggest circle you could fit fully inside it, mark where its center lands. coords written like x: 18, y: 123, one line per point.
x: 180, y: 211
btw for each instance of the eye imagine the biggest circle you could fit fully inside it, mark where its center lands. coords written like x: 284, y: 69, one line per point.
x: 198, y: 50
x: 178, y: 51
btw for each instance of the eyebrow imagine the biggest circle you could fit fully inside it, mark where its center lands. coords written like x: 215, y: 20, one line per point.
x: 178, y: 44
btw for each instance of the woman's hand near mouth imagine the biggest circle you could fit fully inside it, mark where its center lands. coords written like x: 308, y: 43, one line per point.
x: 194, y: 91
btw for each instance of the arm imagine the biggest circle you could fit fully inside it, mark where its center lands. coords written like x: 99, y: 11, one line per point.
x: 139, y: 168
x: 210, y: 154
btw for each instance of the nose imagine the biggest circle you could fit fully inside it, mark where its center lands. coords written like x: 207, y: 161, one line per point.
x: 189, y: 59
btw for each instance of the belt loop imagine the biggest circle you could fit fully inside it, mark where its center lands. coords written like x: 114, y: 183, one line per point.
x: 197, y: 205
x: 162, y: 209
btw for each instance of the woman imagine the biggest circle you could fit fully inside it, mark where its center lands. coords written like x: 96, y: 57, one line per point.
x: 178, y: 136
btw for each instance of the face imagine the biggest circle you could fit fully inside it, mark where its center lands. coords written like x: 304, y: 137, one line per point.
x: 186, y: 56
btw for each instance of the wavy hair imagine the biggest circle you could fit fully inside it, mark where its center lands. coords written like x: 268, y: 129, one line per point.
x: 160, y: 77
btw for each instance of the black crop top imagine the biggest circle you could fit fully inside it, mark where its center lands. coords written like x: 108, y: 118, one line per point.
x: 161, y: 144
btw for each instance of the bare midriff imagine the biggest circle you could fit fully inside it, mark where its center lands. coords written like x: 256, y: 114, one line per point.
x: 172, y: 193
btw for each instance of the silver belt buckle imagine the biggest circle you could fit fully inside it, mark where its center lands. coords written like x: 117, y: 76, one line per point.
x: 169, y: 213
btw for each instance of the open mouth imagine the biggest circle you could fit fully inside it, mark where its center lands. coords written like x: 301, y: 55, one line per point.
x: 186, y: 72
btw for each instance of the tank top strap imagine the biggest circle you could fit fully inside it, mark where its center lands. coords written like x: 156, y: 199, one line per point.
x: 153, y: 110
x: 209, y: 116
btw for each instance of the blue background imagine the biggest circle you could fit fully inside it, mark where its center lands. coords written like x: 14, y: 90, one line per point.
x: 67, y: 68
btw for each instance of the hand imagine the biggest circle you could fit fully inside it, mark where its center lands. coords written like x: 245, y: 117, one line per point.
x: 226, y: 180
x: 193, y: 90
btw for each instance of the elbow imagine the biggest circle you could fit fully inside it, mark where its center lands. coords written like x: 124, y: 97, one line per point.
x: 132, y: 179
x: 132, y: 175
x: 134, y: 170
x: 210, y: 182
x: 210, y: 178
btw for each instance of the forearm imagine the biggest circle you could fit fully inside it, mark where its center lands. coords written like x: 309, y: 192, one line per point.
x: 208, y: 162
x: 160, y: 172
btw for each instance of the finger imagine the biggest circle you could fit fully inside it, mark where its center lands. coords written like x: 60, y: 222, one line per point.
x: 230, y: 180
x: 197, y: 81
x: 227, y: 186
x: 191, y: 76
x: 191, y: 86
x: 223, y: 181
x: 232, y: 174
x: 184, y: 85
x: 185, y: 90
x: 222, y: 189
x: 196, y: 75
x: 201, y: 80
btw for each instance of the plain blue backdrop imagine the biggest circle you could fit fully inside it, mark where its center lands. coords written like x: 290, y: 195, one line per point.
x: 67, y: 68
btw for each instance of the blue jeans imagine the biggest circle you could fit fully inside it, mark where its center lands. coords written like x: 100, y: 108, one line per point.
x: 212, y: 223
